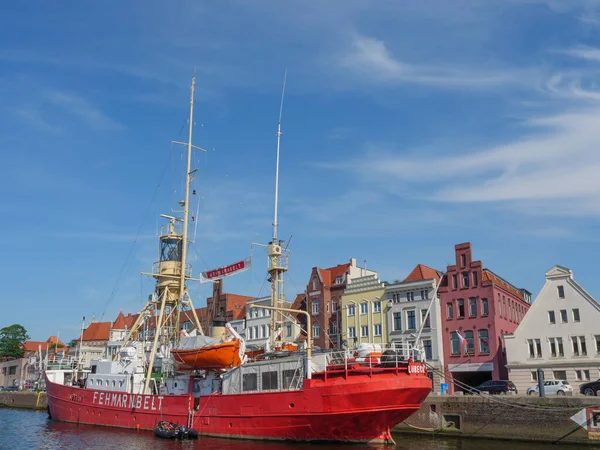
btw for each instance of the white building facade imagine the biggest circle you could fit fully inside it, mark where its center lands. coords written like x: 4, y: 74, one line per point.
x: 258, y: 324
x: 559, y: 334
x: 408, y: 303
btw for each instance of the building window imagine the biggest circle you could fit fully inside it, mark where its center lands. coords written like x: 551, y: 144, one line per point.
x: 397, y: 321
x: 263, y: 331
x: 472, y: 307
x: 463, y: 260
x: 455, y: 281
x: 475, y: 280
x: 425, y: 319
x: 551, y: 317
x: 427, y: 348
x: 535, y: 348
x: 484, y: 307
x: 411, y: 321
x: 586, y: 374
x: 314, y: 286
x: 339, y: 279
x: 327, y: 307
x: 351, y: 332
x: 499, y: 306
x: 563, y: 316
x: 461, y: 308
x: 377, y: 329
x: 578, y: 375
x: 410, y: 296
x: 334, y: 307
x: 534, y: 375
x: 560, y: 374
x: 484, y: 343
x: 315, y: 306
x: 579, y: 346
x: 351, y: 310
x: 377, y: 307
x: 470, y: 342
x: 597, y: 344
x: 449, y: 310
x: 556, y: 347
x: 364, y: 308
x: 465, y: 279
x: 364, y: 331
x: 561, y: 292
x: 576, y: 315
x: 316, y: 330
x: 256, y: 336
x: 454, y: 343
x: 505, y: 311
x: 334, y: 329
x: 288, y: 329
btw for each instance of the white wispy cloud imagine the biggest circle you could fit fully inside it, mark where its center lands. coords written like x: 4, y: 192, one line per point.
x: 370, y: 59
x: 80, y: 108
x: 33, y: 117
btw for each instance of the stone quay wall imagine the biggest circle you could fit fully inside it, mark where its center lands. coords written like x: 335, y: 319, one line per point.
x: 25, y: 399
x: 505, y: 417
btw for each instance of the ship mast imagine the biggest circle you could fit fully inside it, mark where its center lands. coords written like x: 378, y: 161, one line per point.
x: 171, y: 272
x: 277, y: 256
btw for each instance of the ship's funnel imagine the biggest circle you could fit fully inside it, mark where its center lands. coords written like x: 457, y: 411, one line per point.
x: 217, y: 328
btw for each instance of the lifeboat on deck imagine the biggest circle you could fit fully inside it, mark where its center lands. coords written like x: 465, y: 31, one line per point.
x: 224, y: 355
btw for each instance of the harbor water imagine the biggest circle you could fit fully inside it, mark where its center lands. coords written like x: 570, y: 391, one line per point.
x: 26, y: 429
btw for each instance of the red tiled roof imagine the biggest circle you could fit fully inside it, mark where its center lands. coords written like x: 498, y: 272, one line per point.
x: 97, y: 331
x: 123, y: 322
x: 332, y: 273
x: 488, y: 275
x: 33, y: 346
x: 423, y: 272
x: 236, y: 304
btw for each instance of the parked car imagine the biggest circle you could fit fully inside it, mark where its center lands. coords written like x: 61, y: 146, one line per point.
x: 591, y: 388
x: 496, y: 387
x: 11, y: 388
x: 552, y: 387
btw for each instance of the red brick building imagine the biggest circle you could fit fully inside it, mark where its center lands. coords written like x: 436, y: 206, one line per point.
x: 323, y: 296
x: 478, y: 308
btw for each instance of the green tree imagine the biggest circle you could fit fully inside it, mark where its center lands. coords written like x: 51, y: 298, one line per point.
x: 11, y: 341
x: 73, y: 343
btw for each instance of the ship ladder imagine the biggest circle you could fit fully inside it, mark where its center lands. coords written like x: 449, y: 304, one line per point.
x: 190, y: 418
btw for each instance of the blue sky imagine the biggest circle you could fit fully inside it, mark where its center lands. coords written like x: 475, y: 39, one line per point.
x: 408, y: 127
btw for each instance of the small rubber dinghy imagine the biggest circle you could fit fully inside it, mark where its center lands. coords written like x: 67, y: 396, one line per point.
x: 170, y: 430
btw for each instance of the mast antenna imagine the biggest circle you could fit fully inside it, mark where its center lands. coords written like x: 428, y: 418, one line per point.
x: 278, y: 134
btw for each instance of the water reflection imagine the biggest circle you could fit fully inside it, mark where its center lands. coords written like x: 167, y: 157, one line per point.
x: 23, y: 429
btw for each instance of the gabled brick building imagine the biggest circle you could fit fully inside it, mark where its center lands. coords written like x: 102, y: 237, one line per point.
x: 323, y: 296
x: 478, y: 307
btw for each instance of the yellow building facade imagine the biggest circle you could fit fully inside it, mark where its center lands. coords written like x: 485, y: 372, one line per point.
x: 363, y: 311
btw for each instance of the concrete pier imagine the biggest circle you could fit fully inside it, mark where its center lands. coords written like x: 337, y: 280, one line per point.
x: 24, y: 399
x: 503, y: 417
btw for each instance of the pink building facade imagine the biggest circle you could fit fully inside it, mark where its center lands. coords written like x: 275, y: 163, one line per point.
x: 478, y: 308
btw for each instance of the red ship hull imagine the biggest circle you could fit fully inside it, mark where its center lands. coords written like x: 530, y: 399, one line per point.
x: 361, y: 407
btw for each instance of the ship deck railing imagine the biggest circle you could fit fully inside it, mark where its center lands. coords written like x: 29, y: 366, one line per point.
x: 383, y: 358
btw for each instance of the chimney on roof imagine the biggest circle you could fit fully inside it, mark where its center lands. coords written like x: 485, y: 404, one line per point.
x: 353, y: 262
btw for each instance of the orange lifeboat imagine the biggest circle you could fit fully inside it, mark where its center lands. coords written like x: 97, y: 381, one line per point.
x: 223, y: 355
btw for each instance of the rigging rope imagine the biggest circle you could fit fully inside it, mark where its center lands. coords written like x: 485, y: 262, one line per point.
x: 127, y: 258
